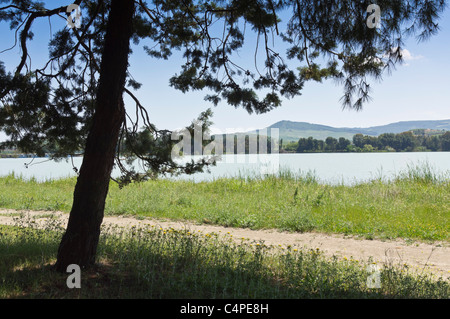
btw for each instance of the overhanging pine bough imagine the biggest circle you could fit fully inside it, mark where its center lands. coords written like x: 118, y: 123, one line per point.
x: 73, y: 104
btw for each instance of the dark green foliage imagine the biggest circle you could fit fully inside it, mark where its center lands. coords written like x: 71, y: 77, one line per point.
x: 402, y: 142
x: 445, y: 141
x: 154, y: 149
x: 49, y: 109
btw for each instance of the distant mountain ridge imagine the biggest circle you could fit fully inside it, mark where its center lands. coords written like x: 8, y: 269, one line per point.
x: 404, y: 126
x: 292, y: 131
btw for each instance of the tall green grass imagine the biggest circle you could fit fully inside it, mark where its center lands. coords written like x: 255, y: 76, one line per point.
x: 413, y: 205
x: 166, y: 263
x: 17, y: 192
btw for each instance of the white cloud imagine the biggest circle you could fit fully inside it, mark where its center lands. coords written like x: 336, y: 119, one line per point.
x: 408, y: 56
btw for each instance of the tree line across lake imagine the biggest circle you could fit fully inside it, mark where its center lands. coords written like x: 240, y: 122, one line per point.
x: 419, y: 140
x: 411, y: 141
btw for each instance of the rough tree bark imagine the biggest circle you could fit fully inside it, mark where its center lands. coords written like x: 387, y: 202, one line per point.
x: 79, y: 243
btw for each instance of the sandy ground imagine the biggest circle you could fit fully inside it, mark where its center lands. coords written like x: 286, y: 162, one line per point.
x: 421, y: 257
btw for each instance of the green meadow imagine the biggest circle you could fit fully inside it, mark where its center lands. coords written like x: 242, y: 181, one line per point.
x: 415, y: 205
x: 168, y: 263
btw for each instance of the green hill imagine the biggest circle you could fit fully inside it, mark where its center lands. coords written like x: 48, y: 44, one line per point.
x: 292, y: 131
x: 399, y: 127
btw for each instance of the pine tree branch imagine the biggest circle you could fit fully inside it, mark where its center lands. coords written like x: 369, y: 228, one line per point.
x: 24, y: 34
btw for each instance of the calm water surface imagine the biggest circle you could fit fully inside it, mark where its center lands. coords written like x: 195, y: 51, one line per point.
x: 347, y: 168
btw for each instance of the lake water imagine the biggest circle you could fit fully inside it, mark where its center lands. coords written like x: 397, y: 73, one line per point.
x: 331, y: 168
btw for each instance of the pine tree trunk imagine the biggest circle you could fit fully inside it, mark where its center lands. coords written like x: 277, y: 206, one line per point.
x: 79, y: 243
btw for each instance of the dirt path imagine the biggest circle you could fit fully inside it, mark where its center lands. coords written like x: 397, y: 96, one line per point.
x: 427, y: 258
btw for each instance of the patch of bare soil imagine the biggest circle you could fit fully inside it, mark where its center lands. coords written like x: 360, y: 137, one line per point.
x: 426, y: 258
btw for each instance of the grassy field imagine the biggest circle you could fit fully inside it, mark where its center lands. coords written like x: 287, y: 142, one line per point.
x: 415, y: 205
x: 157, y: 263
x: 161, y: 264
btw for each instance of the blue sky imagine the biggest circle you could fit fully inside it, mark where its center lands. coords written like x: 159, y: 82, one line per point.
x: 417, y: 90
